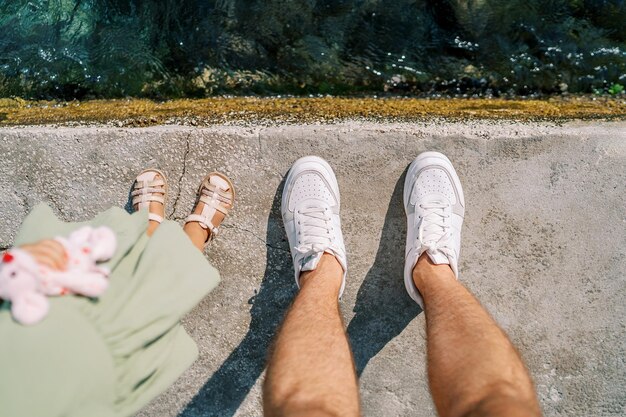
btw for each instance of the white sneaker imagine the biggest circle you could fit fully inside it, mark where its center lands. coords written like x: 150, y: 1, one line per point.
x: 310, y: 209
x: 434, y: 206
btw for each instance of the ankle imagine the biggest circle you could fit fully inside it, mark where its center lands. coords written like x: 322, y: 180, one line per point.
x: 152, y: 226
x: 500, y: 398
x: 327, y: 275
x: 196, y: 228
x: 197, y: 234
x: 425, y: 271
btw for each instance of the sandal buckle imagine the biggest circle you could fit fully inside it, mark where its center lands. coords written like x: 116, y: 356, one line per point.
x: 214, y: 232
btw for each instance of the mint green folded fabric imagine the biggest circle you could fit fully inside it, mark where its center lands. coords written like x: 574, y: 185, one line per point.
x: 110, y: 356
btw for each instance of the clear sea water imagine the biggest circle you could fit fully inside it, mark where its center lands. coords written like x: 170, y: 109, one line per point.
x: 77, y: 49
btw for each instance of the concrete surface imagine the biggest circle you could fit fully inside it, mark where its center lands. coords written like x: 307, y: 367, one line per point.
x: 544, y: 245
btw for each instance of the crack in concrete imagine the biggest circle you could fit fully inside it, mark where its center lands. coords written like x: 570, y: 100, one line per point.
x: 253, y: 234
x: 182, y: 175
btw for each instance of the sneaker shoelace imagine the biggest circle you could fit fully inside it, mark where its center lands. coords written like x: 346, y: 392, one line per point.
x: 315, y: 229
x: 433, y: 233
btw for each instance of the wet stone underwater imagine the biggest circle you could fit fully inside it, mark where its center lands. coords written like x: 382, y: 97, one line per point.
x: 82, y: 49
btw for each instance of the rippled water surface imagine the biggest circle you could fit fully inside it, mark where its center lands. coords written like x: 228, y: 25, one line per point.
x: 175, y: 48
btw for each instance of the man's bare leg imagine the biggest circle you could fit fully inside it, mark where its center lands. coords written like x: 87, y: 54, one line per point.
x: 311, y: 370
x: 473, y: 368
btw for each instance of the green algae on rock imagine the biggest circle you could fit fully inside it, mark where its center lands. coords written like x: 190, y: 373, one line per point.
x: 232, y: 110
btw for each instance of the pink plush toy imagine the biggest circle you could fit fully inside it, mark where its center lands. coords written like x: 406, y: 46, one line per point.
x: 19, y: 284
x: 26, y: 284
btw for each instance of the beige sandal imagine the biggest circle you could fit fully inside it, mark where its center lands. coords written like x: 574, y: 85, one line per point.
x: 218, y: 195
x: 148, y: 189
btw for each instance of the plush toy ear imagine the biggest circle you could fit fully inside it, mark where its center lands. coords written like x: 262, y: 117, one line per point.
x: 29, y: 308
x: 80, y: 236
x: 103, y: 243
x: 25, y: 261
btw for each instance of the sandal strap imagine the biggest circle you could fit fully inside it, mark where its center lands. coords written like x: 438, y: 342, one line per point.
x: 215, y: 200
x: 153, y: 183
x: 203, y: 221
x: 143, y: 201
x: 155, y: 217
x: 209, y: 189
x: 210, y: 202
x: 146, y: 191
x: 217, y: 196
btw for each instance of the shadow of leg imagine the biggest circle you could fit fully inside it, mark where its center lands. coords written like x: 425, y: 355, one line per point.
x: 383, y: 308
x: 224, y: 392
